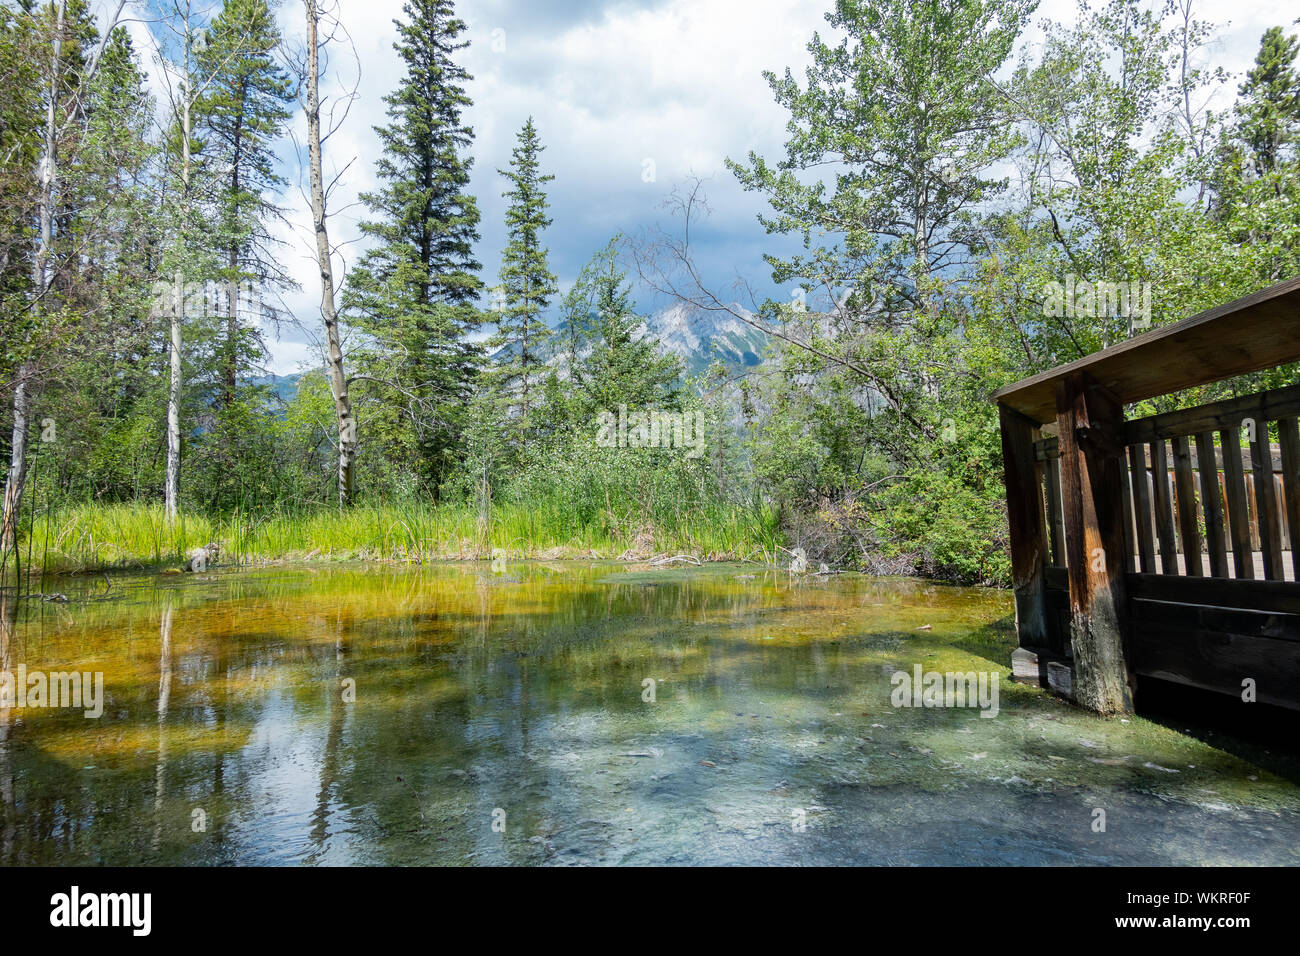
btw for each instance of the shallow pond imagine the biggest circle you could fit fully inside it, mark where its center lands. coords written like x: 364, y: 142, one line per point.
x: 583, y: 713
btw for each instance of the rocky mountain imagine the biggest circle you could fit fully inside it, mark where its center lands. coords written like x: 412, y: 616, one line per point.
x: 698, y: 337
x: 695, y: 336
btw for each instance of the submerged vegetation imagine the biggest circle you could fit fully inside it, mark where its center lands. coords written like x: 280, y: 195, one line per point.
x: 524, y: 691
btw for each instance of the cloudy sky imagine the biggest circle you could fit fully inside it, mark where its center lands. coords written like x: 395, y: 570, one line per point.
x: 630, y: 97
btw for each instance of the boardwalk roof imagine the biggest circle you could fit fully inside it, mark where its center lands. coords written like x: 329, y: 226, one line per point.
x: 1257, y: 331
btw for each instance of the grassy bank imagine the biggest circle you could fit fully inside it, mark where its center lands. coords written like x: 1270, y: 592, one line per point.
x: 88, y: 538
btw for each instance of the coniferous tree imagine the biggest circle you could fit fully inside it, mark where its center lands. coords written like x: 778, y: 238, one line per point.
x: 67, y: 59
x: 527, y: 284
x: 243, y: 111
x: 1269, y: 109
x: 622, y: 368
x: 415, y: 292
x: 106, y: 380
x: 1256, y: 189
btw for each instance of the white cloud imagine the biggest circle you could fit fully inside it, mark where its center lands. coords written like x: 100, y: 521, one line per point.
x: 610, y: 85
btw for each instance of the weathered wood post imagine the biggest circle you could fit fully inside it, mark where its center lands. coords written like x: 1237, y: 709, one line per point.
x: 1090, y: 426
x: 1024, y: 481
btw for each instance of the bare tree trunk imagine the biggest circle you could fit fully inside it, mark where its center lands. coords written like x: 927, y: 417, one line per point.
x: 172, y: 490
x: 16, y: 478
x: 347, y: 429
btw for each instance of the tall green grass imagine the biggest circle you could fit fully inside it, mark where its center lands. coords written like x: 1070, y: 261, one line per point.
x: 93, y: 537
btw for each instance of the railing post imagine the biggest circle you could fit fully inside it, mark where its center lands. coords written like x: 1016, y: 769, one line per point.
x: 1024, y: 483
x: 1090, y: 431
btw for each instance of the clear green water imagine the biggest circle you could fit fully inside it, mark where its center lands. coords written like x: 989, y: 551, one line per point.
x: 524, y: 693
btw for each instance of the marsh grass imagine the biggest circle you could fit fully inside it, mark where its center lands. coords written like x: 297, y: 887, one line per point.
x: 95, y: 537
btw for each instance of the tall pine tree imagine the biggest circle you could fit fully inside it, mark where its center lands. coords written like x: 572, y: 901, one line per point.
x: 415, y: 291
x: 243, y: 112
x: 1269, y: 109
x: 527, y: 284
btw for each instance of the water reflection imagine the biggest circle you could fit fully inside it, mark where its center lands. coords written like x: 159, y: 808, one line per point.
x: 386, y: 715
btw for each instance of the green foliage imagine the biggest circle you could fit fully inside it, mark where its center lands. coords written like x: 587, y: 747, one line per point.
x: 940, y: 175
x: 527, y: 284
x: 242, y: 113
x: 414, y: 292
x: 621, y: 368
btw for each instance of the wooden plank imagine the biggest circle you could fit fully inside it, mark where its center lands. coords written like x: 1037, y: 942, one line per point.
x: 1252, y: 511
x: 1162, y: 502
x: 1130, y: 541
x: 1142, y: 508
x: 1265, y: 406
x: 1270, y: 530
x: 1234, y: 485
x: 1185, y: 489
x: 1055, y: 522
x: 1212, y: 508
x: 1253, y: 332
x: 1287, y: 438
x: 1279, y: 492
x: 1024, y: 482
x: 1220, y: 662
x: 1282, y: 597
x: 1089, y: 425
x: 1190, y: 618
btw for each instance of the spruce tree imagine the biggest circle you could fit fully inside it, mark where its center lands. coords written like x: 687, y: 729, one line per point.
x: 527, y: 284
x: 1269, y: 109
x: 622, y: 369
x: 243, y: 112
x: 415, y: 291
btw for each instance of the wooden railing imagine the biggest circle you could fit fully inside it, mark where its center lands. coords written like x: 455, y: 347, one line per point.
x: 1237, y: 518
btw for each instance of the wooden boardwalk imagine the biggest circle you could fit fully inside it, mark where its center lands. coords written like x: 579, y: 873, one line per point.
x: 1160, y: 546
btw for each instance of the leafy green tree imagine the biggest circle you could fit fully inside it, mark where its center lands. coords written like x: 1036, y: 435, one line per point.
x: 903, y: 109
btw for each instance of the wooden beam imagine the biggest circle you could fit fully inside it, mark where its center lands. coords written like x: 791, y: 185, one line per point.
x: 1055, y: 524
x: 1254, y: 332
x: 1220, y: 661
x: 1234, y: 485
x: 1163, y: 502
x: 1270, y: 529
x: 1282, y: 597
x: 1090, y: 427
x: 1047, y: 450
x: 1262, y: 407
x: 1025, y: 517
x: 1142, y: 508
